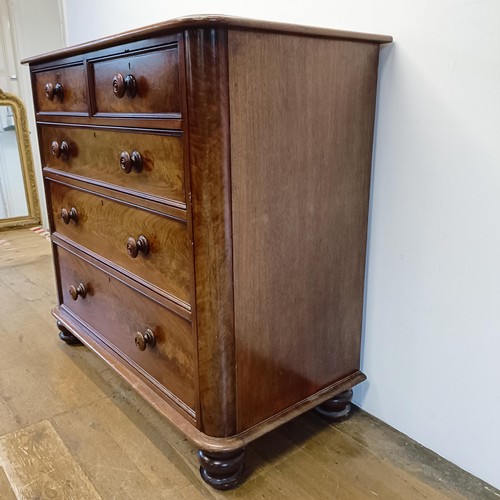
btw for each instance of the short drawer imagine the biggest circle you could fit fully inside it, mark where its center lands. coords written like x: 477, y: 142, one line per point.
x: 112, y: 157
x: 146, y: 83
x: 119, y: 314
x: 61, y: 90
x: 113, y: 229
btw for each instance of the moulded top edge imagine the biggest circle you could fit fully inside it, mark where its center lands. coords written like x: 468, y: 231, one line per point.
x: 208, y: 20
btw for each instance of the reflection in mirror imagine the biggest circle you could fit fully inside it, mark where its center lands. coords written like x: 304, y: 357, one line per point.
x: 12, y: 197
x: 18, y: 194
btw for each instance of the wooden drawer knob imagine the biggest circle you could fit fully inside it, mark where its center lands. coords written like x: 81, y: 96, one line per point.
x: 60, y: 149
x: 52, y: 91
x: 72, y: 214
x: 134, y: 246
x: 142, y: 340
x: 77, y: 291
x: 130, y: 161
x: 122, y: 86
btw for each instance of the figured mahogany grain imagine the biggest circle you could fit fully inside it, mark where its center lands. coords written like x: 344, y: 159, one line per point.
x: 104, y: 226
x: 157, y: 77
x: 302, y: 112
x: 117, y: 312
x: 95, y: 154
x: 74, y: 86
x: 207, y: 99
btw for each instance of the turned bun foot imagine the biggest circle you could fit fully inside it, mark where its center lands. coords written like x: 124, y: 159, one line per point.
x: 337, y: 408
x: 222, y: 471
x: 67, y: 336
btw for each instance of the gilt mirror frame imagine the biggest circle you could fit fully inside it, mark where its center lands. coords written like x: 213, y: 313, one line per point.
x: 23, y: 143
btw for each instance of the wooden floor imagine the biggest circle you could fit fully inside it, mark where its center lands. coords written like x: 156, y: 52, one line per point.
x: 71, y: 429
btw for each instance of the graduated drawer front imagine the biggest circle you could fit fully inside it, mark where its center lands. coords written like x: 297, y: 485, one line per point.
x: 156, y: 74
x: 74, y: 98
x: 117, y: 312
x: 96, y: 154
x: 104, y: 225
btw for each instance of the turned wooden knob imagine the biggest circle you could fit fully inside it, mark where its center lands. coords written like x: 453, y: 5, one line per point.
x: 77, y: 291
x: 142, y: 340
x: 134, y: 246
x: 72, y: 214
x: 52, y: 91
x: 60, y: 149
x: 130, y: 161
x: 122, y: 86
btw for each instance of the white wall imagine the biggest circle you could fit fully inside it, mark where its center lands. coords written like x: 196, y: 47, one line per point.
x: 432, y: 323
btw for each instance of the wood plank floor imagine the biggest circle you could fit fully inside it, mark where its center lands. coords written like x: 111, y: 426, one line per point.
x: 71, y: 429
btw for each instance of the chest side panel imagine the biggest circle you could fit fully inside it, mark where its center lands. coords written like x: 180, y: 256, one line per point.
x: 302, y: 112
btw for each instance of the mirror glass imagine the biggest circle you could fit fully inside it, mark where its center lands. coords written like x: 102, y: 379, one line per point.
x: 13, y: 201
x: 18, y: 193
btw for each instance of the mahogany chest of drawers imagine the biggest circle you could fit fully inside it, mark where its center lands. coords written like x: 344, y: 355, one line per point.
x: 207, y: 183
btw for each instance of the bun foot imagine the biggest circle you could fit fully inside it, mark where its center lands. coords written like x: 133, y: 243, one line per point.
x: 337, y: 408
x: 222, y: 470
x: 67, y: 336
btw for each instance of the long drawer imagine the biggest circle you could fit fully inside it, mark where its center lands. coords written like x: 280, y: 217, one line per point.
x: 151, y: 246
x: 111, y: 157
x: 121, y: 316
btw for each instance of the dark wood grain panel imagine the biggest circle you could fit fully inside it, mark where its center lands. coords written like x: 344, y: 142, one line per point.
x: 96, y: 154
x: 74, y: 85
x: 208, y: 122
x: 117, y: 312
x: 301, y: 157
x: 157, y: 77
x: 104, y: 226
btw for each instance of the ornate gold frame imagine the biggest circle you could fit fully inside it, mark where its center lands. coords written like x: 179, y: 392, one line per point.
x: 23, y: 142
